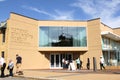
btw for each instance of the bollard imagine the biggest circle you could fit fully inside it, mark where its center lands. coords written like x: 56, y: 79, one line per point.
x: 88, y: 63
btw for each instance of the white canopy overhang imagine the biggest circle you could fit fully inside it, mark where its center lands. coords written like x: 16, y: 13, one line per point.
x: 111, y: 35
x: 2, y: 25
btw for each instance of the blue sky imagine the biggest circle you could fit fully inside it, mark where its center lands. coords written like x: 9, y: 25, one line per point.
x: 107, y: 10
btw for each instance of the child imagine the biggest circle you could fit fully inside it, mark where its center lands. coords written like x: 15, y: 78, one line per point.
x: 10, y: 67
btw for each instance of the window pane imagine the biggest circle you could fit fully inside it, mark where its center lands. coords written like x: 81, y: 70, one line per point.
x: 43, y: 36
x: 62, y: 36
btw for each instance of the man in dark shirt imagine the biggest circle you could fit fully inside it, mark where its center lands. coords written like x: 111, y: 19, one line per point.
x: 18, y: 63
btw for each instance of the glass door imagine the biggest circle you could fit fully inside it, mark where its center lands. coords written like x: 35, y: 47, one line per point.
x: 55, y: 60
x: 52, y: 60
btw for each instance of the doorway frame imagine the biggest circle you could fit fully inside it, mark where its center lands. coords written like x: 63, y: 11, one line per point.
x: 60, y: 60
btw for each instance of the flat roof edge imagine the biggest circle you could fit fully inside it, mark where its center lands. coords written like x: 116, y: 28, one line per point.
x: 117, y: 28
x: 23, y: 16
x: 93, y: 19
x: 106, y: 25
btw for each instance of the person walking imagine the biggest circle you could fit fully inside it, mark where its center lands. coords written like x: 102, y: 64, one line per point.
x: 3, y: 65
x: 81, y: 64
x: 63, y: 63
x: 10, y: 67
x: 102, y: 63
x: 18, y: 64
x: 78, y: 63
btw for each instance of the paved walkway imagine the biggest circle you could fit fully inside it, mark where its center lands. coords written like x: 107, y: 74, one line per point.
x: 73, y: 75
x: 14, y: 78
x: 67, y: 75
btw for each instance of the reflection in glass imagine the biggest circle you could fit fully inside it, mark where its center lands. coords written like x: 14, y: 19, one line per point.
x: 62, y: 36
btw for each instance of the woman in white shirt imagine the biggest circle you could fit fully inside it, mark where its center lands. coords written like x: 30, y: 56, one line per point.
x: 3, y: 65
x: 102, y: 63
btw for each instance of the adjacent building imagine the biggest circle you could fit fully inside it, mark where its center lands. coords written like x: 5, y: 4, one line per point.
x: 43, y: 44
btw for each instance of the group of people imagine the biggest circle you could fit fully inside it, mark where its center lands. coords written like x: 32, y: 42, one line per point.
x: 70, y: 65
x: 67, y: 63
x: 79, y: 63
x: 10, y: 65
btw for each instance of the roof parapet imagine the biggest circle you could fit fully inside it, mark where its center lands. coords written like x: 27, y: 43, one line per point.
x: 93, y: 19
x: 23, y: 16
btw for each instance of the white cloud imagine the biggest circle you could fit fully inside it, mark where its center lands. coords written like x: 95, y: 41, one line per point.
x: 105, y: 9
x: 63, y: 15
x: 58, y: 15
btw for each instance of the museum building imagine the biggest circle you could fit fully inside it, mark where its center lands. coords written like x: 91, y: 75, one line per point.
x: 44, y: 43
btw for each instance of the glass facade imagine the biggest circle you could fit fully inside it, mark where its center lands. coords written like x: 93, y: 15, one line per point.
x: 62, y: 36
x: 111, y: 51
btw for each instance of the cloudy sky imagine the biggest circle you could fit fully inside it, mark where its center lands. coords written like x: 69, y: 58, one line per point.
x: 107, y: 10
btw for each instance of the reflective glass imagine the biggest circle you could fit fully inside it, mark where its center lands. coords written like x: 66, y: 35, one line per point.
x: 62, y: 36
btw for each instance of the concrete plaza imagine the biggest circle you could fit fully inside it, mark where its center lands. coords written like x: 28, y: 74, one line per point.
x: 72, y: 75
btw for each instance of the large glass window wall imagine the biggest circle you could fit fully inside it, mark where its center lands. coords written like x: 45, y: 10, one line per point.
x: 111, y: 51
x: 62, y: 36
x: 109, y: 44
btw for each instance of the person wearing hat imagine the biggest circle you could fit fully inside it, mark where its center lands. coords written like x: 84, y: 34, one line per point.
x: 102, y: 63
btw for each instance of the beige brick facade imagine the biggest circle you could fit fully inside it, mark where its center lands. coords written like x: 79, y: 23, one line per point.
x: 22, y: 37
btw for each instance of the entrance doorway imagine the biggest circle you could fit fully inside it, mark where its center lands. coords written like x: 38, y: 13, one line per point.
x: 56, y: 59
